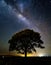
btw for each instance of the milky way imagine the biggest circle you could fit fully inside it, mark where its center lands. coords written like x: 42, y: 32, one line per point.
x: 19, y: 7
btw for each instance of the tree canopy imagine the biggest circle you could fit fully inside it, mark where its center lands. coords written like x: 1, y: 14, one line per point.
x: 25, y: 41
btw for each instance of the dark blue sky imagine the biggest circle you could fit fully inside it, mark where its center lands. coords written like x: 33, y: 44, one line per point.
x: 21, y: 14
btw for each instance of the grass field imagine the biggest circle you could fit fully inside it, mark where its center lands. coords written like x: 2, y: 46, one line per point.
x: 14, y: 60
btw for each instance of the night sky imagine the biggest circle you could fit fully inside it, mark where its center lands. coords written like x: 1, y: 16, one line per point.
x: 16, y: 15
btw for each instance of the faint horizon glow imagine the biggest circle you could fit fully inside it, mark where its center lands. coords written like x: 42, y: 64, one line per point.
x: 14, y: 53
x: 41, y: 55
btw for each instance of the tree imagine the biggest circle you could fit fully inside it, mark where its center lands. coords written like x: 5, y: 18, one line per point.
x: 25, y: 41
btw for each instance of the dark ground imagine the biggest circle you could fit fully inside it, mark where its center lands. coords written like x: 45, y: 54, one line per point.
x: 14, y: 60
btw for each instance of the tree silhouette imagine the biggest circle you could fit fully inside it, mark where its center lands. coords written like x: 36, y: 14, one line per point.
x: 25, y: 41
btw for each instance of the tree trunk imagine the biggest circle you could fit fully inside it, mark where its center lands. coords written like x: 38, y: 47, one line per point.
x: 25, y: 52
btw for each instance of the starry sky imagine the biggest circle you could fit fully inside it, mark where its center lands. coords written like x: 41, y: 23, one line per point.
x: 16, y: 15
